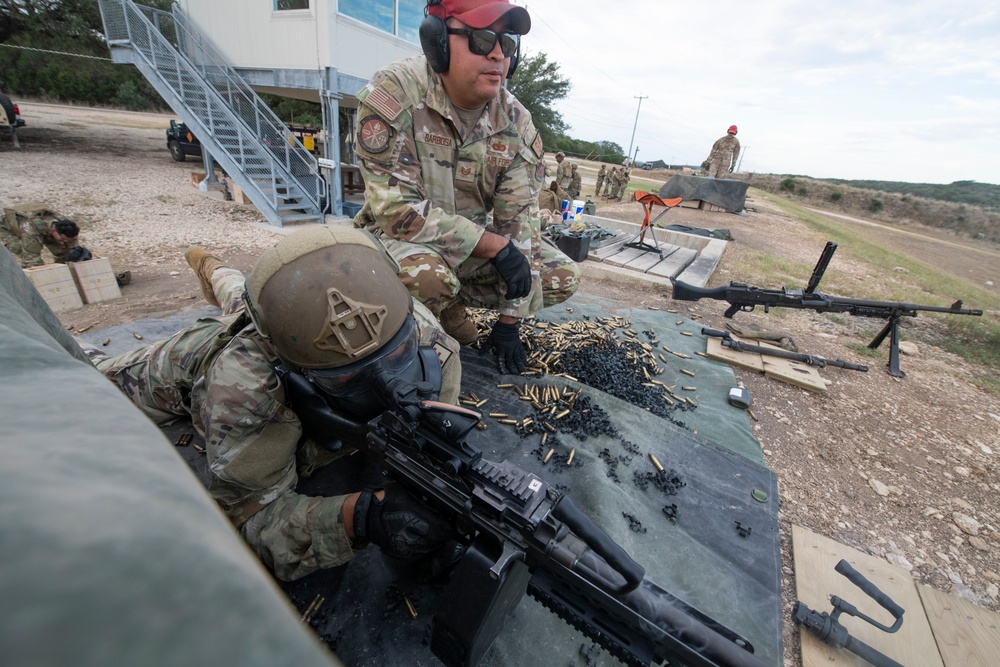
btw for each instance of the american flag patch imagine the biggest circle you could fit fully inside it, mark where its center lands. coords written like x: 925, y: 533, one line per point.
x: 380, y: 101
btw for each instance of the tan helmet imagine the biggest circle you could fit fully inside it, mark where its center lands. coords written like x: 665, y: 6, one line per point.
x: 327, y: 296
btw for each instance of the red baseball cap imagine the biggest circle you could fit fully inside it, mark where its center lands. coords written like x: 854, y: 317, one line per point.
x: 481, y: 13
x: 732, y: 129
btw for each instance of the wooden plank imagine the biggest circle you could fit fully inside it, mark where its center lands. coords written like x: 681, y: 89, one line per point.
x: 56, y: 285
x: 623, y: 257
x: 672, y: 266
x: 606, y: 251
x: 716, y: 350
x: 815, y: 580
x: 966, y: 635
x: 691, y: 203
x: 95, y: 280
x: 792, y: 372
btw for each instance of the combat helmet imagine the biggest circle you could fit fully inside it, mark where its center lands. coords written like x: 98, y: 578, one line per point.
x: 328, y: 297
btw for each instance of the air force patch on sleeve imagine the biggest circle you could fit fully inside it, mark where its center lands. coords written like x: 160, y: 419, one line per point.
x: 375, y: 134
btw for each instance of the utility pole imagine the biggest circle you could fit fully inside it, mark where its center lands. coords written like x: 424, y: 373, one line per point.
x: 632, y: 140
x: 636, y: 154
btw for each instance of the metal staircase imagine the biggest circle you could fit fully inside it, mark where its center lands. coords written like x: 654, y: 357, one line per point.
x: 235, y: 126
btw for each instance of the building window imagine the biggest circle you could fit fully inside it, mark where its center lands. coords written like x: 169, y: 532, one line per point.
x: 396, y: 17
x: 281, y: 5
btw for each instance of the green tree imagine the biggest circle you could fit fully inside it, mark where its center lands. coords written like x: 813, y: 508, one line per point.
x: 538, y: 84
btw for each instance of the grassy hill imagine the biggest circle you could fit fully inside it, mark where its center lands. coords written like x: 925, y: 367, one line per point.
x: 965, y: 208
x: 985, y: 195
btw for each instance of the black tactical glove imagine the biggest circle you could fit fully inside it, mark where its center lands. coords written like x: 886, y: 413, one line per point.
x: 731, y: 169
x: 505, y: 342
x: 399, y: 524
x: 513, y: 267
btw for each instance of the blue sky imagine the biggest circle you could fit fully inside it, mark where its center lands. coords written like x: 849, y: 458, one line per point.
x: 899, y: 91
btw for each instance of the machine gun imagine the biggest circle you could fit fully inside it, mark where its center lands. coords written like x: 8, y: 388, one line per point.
x: 745, y: 297
x: 526, y: 536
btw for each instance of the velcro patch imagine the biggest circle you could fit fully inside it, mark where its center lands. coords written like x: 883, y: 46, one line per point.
x: 465, y: 171
x: 375, y: 134
x: 443, y: 353
x: 536, y: 145
x: 382, y: 102
x: 436, y: 139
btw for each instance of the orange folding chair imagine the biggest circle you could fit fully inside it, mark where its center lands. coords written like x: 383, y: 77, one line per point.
x: 648, y: 201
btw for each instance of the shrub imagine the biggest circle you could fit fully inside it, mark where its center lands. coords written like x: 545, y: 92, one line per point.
x: 875, y: 205
x: 802, y: 191
x: 788, y: 185
x: 836, y: 195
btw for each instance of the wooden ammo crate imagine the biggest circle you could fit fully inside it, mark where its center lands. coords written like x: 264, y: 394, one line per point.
x: 95, y: 280
x: 56, y: 285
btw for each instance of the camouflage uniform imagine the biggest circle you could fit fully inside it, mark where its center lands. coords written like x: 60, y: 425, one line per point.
x: 564, y: 173
x: 25, y: 230
x: 610, y: 182
x: 600, y: 180
x: 725, y: 153
x: 622, y: 183
x: 431, y: 185
x: 220, y: 372
x: 574, y: 185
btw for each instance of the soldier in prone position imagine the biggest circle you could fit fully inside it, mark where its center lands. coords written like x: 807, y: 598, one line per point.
x: 442, y: 145
x: 324, y: 303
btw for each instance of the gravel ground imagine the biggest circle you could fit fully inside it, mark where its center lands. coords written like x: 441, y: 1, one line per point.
x: 903, y: 469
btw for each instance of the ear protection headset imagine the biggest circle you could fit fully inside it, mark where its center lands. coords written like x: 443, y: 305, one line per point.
x: 434, y: 42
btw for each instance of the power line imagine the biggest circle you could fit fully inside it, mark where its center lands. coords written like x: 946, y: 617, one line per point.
x: 58, y: 53
x: 536, y: 15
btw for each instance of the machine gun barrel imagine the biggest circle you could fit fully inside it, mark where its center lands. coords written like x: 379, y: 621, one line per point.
x: 526, y: 536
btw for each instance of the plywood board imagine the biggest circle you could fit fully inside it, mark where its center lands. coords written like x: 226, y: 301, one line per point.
x: 966, y: 635
x: 792, y: 372
x: 56, y: 285
x: 716, y: 350
x: 816, y: 580
x: 95, y: 280
x: 672, y: 266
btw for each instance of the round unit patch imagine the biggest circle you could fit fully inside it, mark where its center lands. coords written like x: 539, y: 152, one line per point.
x: 375, y: 134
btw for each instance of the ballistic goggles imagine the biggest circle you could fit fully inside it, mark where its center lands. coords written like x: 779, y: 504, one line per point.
x: 482, y: 41
x: 394, y: 359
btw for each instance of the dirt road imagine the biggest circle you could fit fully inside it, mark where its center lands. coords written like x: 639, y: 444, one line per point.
x: 903, y: 469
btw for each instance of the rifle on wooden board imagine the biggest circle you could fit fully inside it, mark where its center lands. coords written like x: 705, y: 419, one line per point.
x: 743, y: 297
x: 807, y: 359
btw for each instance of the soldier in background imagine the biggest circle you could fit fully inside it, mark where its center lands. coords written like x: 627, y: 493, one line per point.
x: 442, y: 146
x: 600, y: 180
x: 26, y: 229
x: 725, y: 153
x: 574, y: 184
x: 564, y: 170
x: 608, y: 184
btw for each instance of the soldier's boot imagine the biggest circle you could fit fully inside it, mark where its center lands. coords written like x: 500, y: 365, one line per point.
x: 204, y: 264
x: 456, y: 322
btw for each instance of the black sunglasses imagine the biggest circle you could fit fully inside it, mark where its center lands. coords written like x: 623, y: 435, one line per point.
x: 482, y: 41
